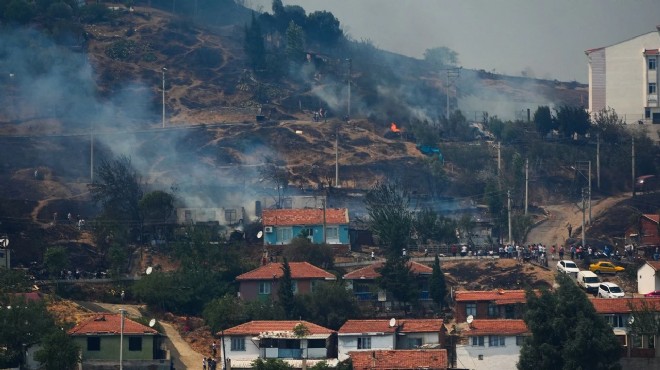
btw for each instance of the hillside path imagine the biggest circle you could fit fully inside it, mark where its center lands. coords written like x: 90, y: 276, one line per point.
x: 553, y: 231
x: 183, y: 355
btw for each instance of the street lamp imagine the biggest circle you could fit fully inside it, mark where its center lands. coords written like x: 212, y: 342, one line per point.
x: 164, y: 69
x: 121, y: 339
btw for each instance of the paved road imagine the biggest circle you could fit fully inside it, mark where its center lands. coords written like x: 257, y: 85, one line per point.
x: 183, y: 356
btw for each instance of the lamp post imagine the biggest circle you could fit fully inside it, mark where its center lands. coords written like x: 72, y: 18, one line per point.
x: 121, y: 339
x: 164, y: 69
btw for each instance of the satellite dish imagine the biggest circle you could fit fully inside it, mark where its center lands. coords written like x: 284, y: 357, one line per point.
x: 392, y: 322
x: 470, y: 319
x: 631, y: 320
x: 260, y: 234
x: 152, y: 322
x: 149, y: 270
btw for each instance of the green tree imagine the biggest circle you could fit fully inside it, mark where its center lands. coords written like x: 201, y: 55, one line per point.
x: 571, y: 119
x: 14, y: 281
x: 609, y: 125
x: 323, y: 27
x: 302, y: 249
x: 397, y: 279
x: 285, y: 295
x: 330, y: 305
x: 254, y: 45
x: 58, y: 351
x: 389, y: 217
x: 544, y: 121
x: 19, y: 11
x: 567, y: 333
x: 56, y: 259
x: 295, y: 43
x: 224, y: 312
x: 271, y: 364
x: 23, y: 325
x: 437, y: 284
x: 441, y: 57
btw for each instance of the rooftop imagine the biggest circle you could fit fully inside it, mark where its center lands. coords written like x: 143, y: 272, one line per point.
x: 370, y: 272
x: 500, y: 296
x: 110, y: 324
x: 299, y: 270
x: 304, y: 216
x: 399, y: 359
x: 495, y: 327
x: 624, y: 305
x: 271, y: 326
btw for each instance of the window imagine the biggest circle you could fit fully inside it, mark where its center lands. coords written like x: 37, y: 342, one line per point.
x: 492, y: 310
x: 230, y: 216
x: 238, y: 344
x: 264, y: 287
x: 616, y: 321
x: 651, y: 64
x: 647, y: 113
x: 652, y: 88
x: 414, y: 342
x: 93, y: 343
x: 135, y: 344
x: 316, y: 343
x: 284, y: 235
x: 471, y: 309
x: 495, y: 341
x: 332, y: 233
x: 364, y: 343
x: 520, y: 340
x: 478, y: 341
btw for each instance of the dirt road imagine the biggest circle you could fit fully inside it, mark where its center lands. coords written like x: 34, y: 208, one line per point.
x: 554, y: 231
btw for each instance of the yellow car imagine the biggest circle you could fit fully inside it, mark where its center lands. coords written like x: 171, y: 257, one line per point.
x: 605, y: 267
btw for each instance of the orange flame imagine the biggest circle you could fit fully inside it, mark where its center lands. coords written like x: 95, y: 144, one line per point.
x: 394, y: 128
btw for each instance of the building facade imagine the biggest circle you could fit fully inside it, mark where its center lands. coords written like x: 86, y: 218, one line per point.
x: 496, y: 304
x: 263, y: 282
x: 491, y: 344
x: 328, y: 226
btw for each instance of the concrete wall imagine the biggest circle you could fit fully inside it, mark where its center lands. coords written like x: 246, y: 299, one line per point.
x: 647, y: 280
x: 249, y: 290
x: 110, y: 348
x: 493, y: 358
x: 270, y: 238
x: 348, y: 343
x: 251, y: 350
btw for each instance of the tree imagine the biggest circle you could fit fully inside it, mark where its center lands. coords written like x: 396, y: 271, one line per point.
x: 302, y: 249
x: 397, y: 279
x: 323, y: 27
x: 295, y: 43
x: 23, y: 325
x: 441, y: 57
x: 56, y: 259
x: 566, y: 332
x: 285, y: 291
x: 572, y: 119
x: 254, y: 45
x: 271, y: 364
x: 609, y: 125
x: 225, y: 312
x: 277, y: 176
x: 14, y: 281
x: 19, y: 11
x: 437, y: 284
x: 389, y: 217
x: 58, y: 351
x: 544, y: 121
x: 156, y: 206
x: 330, y: 305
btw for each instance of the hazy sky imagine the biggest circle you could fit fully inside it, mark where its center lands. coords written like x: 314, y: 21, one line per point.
x: 508, y: 36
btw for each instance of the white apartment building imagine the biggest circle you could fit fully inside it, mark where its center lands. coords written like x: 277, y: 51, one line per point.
x: 624, y: 77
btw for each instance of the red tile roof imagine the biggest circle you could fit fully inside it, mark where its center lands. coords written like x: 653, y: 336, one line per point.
x: 623, y: 305
x: 369, y: 272
x: 304, y: 216
x: 495, y: 327
x: 383, y: 326
x: 399, y: 359
x: 499, y: 296
x: 652, y: 217
x: 299, y: 270
x: 110, y: 324
x: 258, y: 327
x: 654, y: 264
x: 651, y: 52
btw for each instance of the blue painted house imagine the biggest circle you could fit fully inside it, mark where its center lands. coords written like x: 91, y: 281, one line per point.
x: 328, y: 225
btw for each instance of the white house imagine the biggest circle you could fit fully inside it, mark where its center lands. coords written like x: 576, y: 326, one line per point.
x: 367, y: 335
x: 491, y: 344
x: 290, y: 341
x: 624, y: 77
x: 648, y: 279
x: 222, y: 216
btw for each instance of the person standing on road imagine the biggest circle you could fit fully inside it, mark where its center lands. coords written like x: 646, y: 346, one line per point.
x: 204, y: 364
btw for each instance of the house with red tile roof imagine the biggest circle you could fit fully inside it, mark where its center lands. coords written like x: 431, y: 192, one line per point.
x: 325, y: 225
x: 495, y: 304
x: 490, y: 344
x: 363, y: 283
x: 368, y: 335
x: 99, y: 340
x: 291, y: 341
x: 434, y: 359
x: 648, y: 279
x: 620, y: 313
x: 263, y: 282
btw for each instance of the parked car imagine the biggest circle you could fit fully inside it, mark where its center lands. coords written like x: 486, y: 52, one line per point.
x: 655, y: 293
x: 605, y: 267
x: 567, y: 267
x: 588, y: 281
x: 610, y: 290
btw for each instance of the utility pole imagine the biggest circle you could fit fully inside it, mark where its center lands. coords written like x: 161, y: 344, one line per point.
x: 121, y: 339
x: 337, y: 157
x: 598, y: 160
x: 350, y: 67
x: 324, y: 231
x: 452, y: 75
x: 508, y: 195
x: 91, y: 157
x: 164, y: 69
x: 589, y: 192
x: 526, y: 184
x: 633, y: 166
x: 499, y: 159
x: 583, y: 209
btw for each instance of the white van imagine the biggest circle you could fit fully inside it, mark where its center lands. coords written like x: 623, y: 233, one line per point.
x: 588, y: 281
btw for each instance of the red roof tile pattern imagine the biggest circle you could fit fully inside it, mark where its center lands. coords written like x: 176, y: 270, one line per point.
x: 304, y: 216
x: 495, y: 327
x: 651, y: 52
x: 367, y: 326
x: 110, y: 324
x: 652, y: 217
x: 421, y: 326
x: 299, y: 271
x: 258, y: 327
x: 370, y: 272
x: 623, y: 305
x: 499, y: 296
x: 399, y: 359
x: 654, y: 264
